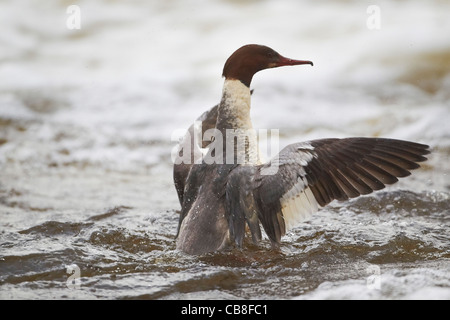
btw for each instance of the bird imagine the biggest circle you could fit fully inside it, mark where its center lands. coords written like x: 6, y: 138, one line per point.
x: 223, y: 198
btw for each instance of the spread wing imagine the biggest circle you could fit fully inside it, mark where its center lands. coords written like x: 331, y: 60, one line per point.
x: 181, y: 171
x: 307, y: 175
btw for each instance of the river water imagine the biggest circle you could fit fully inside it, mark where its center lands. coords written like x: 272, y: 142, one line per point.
x: 87, y: 204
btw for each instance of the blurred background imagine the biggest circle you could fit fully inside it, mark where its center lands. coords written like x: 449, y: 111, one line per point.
x: 86, y: 118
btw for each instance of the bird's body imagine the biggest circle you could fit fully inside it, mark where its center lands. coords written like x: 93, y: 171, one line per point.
x: 230, y: 188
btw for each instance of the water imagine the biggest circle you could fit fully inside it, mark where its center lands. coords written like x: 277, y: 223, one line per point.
x: 86, y: 118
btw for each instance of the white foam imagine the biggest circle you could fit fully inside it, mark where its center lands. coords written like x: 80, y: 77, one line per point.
x: 415, y: 284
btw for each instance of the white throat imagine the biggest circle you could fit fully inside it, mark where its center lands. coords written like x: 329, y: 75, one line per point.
x: 234, y: 116
x: 234, y: 110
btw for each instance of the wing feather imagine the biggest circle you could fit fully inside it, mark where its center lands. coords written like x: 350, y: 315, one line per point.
x: 314, y: 173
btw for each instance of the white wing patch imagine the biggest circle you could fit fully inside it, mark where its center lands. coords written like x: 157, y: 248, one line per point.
x: 298, y: 204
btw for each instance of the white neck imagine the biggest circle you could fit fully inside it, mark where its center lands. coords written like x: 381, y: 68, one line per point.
x: 234, y: 110
x: 234, y: 115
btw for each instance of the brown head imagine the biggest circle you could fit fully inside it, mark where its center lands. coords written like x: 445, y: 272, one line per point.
x: 251, y: 58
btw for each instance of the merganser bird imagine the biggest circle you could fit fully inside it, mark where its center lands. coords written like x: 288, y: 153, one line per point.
x: 218, y: 199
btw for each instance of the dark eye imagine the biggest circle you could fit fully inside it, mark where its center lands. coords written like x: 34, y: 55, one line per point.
x: 271, y: 55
